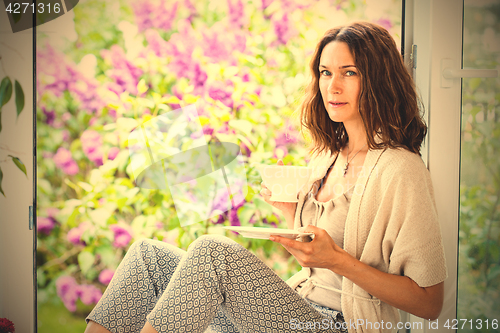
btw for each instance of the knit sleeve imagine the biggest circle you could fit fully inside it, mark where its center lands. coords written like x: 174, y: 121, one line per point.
x: 414, y: 232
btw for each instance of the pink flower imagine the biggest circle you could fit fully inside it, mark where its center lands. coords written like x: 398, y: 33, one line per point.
x: 65, y: 162
x: 124, y: 72
x: 156, y: 43
x: 67, y: 290
x: 75, y: 235
x: 105, y: 276
x: 288, y: 136
x: 283, y: 29
x: 245, y: 149
x: 233, y: 218
x: 92, y: 146
x: 122, y: 235
x: 222, y: 92
x: 236, y: 14
x: 63, y: 75
x: 280, y: 152
x: 266, y: 3
x: 154, y: 15
x: 219, y: 43
x: 49, y: 116
x: 52, y: 212
x: 384, y: 22
x: 113, y: 152
x: 45, y: 224
x: 89, y: 294
x: 192, y: 10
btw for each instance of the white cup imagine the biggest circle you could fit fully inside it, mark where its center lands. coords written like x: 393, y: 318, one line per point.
x: 284, y: 181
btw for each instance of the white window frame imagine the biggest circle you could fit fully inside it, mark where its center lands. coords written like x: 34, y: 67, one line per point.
x: 435, y: 26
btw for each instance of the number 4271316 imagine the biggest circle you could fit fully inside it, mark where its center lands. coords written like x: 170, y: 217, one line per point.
x: 471, y: 324
x: 21, y: 8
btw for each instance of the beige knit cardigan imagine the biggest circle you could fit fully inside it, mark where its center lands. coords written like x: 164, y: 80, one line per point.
x: 391, y: 225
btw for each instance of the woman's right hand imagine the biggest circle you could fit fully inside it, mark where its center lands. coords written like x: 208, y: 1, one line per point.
x: 288, y: 208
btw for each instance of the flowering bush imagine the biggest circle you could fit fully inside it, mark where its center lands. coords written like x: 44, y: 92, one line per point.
x: 6, y: 326
x: 241, y: 63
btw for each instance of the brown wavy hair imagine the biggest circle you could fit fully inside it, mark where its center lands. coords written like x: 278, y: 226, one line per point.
x: 388, y: 102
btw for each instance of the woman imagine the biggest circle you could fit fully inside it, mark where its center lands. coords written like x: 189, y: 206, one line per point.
x: 376, y: 247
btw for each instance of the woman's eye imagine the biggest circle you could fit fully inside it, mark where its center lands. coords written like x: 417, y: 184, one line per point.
x: 325, y: 72
x: 350, y: 73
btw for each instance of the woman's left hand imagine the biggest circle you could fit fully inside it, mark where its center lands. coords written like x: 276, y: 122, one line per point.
x: 321, y: 252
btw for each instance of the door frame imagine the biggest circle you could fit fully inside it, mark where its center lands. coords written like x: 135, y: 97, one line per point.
x: 435, y: 26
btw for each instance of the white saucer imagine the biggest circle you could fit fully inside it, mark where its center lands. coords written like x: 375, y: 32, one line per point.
x: 265, y: 233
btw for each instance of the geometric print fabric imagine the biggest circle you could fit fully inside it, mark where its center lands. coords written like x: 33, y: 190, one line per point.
x: 216, y: 286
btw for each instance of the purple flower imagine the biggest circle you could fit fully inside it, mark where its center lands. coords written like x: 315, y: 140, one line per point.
x: 67, y: 290
x: 156, y: 43
x: 113, y: 152
x: 219, y: 44
x: 45, y: 224
x: 286, y: 137
x: 266, y: 3
x: 283, y: 29
x: 149, y: 14
x: 124, y: 73
x: 106, y: 275
x: 223, y: 202
x: 49, y: 116
x: 63, y: 75
x: 65, y: 162
x: 122, y: 235
x: 75, y: 235
x: 208, y: 130
x: 233, y: 218
x: 192, y: 10
x: 92, y: 146
x: 222, y: 92
x: 236, y: 14
x: 384, y: 22
x: 89, y: 294
x: 245, y: 149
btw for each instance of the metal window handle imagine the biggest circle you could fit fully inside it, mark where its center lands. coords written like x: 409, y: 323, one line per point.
x: 449, y: 74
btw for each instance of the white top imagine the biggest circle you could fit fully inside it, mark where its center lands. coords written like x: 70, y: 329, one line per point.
x: 391, y: 225
x: 329, y: 215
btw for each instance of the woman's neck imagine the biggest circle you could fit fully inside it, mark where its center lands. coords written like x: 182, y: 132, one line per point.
x: 357, y: 137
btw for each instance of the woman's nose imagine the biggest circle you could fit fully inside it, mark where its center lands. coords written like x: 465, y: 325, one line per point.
x: 335, y: 86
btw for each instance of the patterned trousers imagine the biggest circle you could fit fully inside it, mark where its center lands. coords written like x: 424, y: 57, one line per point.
x: 216, y: 286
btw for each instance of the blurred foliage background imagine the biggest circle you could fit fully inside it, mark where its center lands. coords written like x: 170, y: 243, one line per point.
x: 479, y: 233
x: 120, y: 63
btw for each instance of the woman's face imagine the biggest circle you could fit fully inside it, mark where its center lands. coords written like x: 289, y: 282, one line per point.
x: 339, y: 83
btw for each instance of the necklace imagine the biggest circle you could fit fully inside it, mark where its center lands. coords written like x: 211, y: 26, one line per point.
x: 346, y: 166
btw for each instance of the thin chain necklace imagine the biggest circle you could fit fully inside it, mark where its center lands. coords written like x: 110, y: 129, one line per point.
x: 346, y: 166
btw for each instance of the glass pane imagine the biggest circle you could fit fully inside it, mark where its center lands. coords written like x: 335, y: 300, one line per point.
x: 110, y: 76
x: 479, y: 233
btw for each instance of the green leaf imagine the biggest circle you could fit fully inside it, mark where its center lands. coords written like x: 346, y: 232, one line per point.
x: 19, y: 98
x: 5, y: 91
x: 1, y: 177
x: 19, y: 164
x: 85, y: 261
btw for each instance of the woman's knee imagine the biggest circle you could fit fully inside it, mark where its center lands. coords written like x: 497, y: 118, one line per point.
x: 146, y: 245
x: 213, y: 242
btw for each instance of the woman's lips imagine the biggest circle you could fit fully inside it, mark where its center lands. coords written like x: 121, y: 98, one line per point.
x: 336, y: 104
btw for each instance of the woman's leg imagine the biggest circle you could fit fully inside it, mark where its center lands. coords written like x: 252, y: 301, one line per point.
x: 218, y: 272
x: 137, y: 284
x: 139, y: 281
